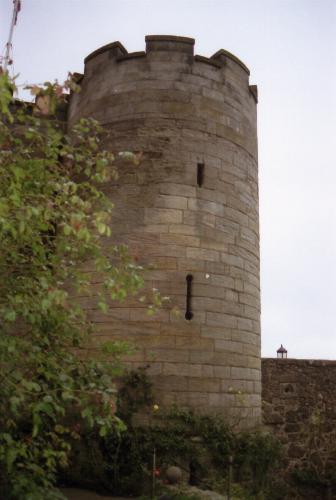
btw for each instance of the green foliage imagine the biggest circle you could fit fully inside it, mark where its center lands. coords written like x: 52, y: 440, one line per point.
x: 134, y: 394
x: 203, y: 446
x: 310, y: 480
x: 316, y: 470
x: 54, y: 217
x: 257, y: 452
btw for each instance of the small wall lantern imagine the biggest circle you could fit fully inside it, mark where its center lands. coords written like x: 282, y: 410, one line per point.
x: 281, y: 352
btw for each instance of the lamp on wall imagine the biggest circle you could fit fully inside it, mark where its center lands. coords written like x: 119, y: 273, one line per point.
x: 281, y: 352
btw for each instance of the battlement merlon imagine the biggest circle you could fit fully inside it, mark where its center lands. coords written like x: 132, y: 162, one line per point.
x: 167, y: 43
x: 114, y: 49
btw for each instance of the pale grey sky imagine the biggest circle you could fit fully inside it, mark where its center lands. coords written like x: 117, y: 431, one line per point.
x: 290, y: 48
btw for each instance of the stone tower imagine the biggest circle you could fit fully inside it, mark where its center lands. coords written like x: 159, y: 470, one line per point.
x: 191, y: 210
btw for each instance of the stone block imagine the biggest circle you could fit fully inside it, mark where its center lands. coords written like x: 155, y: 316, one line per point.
x: 214, y: 244
x: 127, y: 328
x: 115, y: 313
x: 250, y: 300
x: 221, y: 400
x: 211, y: 207
x: 201, y: 356
x: 241, y: 387
x: 222, y: 281
x: 207, y: 304
x: 182, y: 369
x: 198, y: 399
x: 252, y: 313
x: 141, y: 314
x: 240, y: 373
x: 207, y: 371
x: 171, y: 383
x: 152, y: 369
x: 184, y: 229
x: 164, y: 250
x: 230, y: 358
x: 252, y: 350
x: 245, y: 324
x: 218, y: 333
x: 162, y: 216
x: 255, y: 374
x: 207, y: 219
x: 224, y: 320
x: 232, y: 260
x: 155, y: 228
x: 194, y: 343
x: 190, y: 265
x: 180, y: 239
x: 203, y: 384
x: 202, y: 254
x: 191, y: 218
x: 229, y: 345
x: 168, y: 201
x: 169, y: 355
x: 166, y: 263
x: 151, y: 341
x: 186, y: 328
x: 208, y: 290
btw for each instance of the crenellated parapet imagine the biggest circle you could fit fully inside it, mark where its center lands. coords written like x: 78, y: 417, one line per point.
x: 169, y: 63
x: 167, y: 48
x: 166, y: 43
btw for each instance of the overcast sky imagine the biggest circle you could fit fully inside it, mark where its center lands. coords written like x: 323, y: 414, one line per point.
x: 290, y: 48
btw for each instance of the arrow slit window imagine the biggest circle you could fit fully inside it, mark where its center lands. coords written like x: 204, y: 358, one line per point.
x: 200, y: 174
x: 189, y: 315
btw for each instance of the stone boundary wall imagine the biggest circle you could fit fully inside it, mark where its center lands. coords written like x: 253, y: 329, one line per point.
x: 299, y: 406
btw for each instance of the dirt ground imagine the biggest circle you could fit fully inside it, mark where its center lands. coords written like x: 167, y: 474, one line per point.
x: 75, y: 494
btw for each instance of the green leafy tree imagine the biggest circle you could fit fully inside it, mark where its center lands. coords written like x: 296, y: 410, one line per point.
x: 54, y: 217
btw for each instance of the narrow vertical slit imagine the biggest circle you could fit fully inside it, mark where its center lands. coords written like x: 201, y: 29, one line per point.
x: 200, y: 174
x: 188, y: 314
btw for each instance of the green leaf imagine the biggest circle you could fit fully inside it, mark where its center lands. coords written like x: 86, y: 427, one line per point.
x: 10, y: 316
x: 103, y: 306
x: 11, y: 455
x: 67, y: 396
x: 46, y: 408
x: 37, y: 421
x: 103, y: 431
x: 22, y: 226
x: 67, y: 230
x: 31, y: 386
x: 101, y: 227
x: 87, y: 415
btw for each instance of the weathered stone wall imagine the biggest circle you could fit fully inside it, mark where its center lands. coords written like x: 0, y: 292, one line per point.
x: 180, y: 111
x: 299, y: 405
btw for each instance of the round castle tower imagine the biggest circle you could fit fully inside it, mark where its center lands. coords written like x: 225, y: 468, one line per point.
x: 191, y: 210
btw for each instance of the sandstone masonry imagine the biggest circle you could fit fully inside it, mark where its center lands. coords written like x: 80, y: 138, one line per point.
x: 191, y: 208
x: 299, y: 406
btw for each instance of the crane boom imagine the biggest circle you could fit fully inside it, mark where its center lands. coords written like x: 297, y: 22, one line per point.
x: 16, y: 10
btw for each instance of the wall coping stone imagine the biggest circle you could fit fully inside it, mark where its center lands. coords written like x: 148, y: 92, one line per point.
x: 170, y: 38
x: 300, y: 361
x: 131, y: 55
x: 208, y: 60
